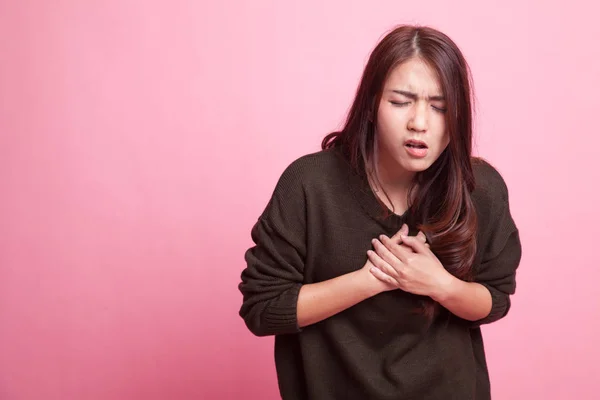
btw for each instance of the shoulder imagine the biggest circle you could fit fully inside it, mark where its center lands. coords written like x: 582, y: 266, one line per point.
x: 495, y: 222
x: 299, y: 181
x: 314, y: 168
x: 490, y: 186
x: 490, y: 198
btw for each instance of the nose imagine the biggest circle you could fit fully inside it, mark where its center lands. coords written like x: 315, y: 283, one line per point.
x: 418, y: 121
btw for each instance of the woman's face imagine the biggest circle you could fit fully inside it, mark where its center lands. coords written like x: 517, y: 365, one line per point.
x: 411, y: 125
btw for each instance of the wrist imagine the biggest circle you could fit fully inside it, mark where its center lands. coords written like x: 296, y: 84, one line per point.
x: 446, y: 288
x: 367, y: 283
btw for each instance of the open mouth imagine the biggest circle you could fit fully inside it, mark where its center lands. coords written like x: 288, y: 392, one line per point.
x: 416, y: 148
x: 415, y: 144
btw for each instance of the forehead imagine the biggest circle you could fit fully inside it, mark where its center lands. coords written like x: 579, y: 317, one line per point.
x: 414, y: 76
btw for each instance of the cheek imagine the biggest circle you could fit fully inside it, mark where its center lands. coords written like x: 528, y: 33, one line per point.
x: 383, y: 117
x: 384, y: 126
x: 444, y: 136
x: 391, y: 121
x: 445, y: 140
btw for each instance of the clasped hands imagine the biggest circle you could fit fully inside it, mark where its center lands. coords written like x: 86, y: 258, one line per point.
x: 407, y: 263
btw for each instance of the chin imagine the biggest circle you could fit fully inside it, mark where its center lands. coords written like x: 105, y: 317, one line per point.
x: 416, y: 165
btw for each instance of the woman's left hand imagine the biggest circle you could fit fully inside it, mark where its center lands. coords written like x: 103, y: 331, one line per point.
x: 412, y: 266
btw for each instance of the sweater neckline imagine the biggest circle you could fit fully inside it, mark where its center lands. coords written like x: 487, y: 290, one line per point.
x: 361, y: 190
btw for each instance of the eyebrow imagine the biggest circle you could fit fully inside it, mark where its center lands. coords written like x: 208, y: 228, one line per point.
x: 413, y: 96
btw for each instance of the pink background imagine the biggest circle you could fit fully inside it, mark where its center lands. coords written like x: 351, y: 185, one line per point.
x: 139, y: 141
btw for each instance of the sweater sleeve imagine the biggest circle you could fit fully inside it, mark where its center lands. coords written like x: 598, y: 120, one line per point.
x: 500, y: 246
x: 273, y: 276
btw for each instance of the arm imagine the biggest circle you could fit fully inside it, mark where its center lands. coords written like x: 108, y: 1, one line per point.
x: 488, y: 300
x: 322, y: 300
x: 319, y: 301
x: 499, y: 242
x: 468, y: 300
x: 415, y: 269
x: 498, y: 275
x: 275, y: 299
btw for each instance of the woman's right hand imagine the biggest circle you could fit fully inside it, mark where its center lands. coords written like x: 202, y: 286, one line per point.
x: 321, y: 300
x: 377, y: 280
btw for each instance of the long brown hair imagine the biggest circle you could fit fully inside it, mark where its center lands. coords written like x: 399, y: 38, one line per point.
x: 440, y: 202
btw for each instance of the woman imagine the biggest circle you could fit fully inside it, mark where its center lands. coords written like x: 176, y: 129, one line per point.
x: 378, y: 258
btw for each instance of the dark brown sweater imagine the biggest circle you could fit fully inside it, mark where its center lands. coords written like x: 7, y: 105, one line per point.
x: 318, y: 225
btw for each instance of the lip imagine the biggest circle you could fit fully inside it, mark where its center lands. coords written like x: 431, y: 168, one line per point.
x: 416, y: 152
x: 416, y: 143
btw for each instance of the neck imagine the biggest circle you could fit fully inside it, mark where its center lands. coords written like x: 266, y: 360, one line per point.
x: 387, y: 178
x: 390, y: 174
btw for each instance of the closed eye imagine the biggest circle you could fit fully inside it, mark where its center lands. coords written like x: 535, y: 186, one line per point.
x: 399, y: 104
x: 439, y: 109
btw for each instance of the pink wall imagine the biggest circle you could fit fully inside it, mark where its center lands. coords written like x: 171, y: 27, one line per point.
x: 139, y: 141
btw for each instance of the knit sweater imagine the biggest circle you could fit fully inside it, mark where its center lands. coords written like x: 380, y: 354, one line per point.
x: 318, y: 225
